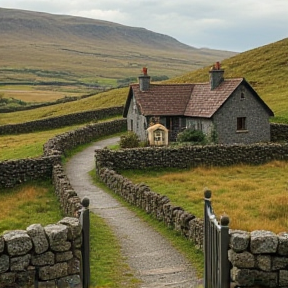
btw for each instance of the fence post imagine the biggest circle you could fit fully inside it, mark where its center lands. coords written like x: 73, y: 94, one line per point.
x: 207, y: 260
x: 85, y: 248
x: 224, y: 247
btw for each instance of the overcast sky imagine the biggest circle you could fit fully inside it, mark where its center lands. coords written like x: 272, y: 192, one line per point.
x: 235, y: 25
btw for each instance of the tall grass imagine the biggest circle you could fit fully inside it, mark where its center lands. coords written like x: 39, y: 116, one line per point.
x: 28, y: 204
x: 254, y: 197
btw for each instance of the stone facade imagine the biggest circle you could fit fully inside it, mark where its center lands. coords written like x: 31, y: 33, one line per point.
x: 60, y: 121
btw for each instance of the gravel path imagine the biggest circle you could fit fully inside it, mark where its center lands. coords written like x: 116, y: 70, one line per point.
x: 155, y: 261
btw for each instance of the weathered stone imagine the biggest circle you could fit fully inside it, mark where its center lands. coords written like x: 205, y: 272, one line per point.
x: 69, y: 281
x: 47, y: 258
x: 283, y: 278
x: 65, y: 256
x: 1, y: 244
x: 77, y: 243
x: 280, y: 263
x: 239, y: 240
x: 37, y: 234
x: 77, y: 253
x: 52, y: 272
x: 47, y: 284
x: 7, y: 279
x: 18, y: 242
x: 249, y: 277
x: 74, y: 227
x: 4, y: 263
x: 73, y: 266
x: 263, y: 242
x: 26, y: 279
x: 264, y: 262
x: 283, y: 244
x: 242, y: 259
x: 56, y: 233
x: 61, y: 246
x: 20, y: 263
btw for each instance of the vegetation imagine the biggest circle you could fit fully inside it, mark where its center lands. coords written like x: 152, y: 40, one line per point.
x: 130, y: 140
x: 254, y: 197
x: 192, y: 136
x: 265, y: 68
x: 28, y: 204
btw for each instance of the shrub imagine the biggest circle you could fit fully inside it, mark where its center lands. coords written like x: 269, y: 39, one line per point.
x: 131, y: 140
x: 191, y: 135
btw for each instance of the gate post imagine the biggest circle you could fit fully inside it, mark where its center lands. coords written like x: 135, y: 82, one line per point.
x: 224, y: 247
x: 85, y: 248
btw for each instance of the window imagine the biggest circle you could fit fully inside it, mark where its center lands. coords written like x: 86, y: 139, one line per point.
x: 158, y: 135
x: 242, y: 96
x: 241, y: 123
x: 131, y: 125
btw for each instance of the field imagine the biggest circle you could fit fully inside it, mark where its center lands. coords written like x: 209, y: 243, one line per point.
x: 254, y: 197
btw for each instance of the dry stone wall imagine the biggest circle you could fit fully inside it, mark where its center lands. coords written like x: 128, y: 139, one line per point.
x: 257, y: 258
x: 61, y: 121
x: 45, y: 256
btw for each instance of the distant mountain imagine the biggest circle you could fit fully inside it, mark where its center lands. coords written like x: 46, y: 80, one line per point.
x: 39, y: 46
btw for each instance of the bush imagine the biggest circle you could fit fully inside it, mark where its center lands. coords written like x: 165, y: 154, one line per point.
x: 131, y: 140
x: 191, y: 135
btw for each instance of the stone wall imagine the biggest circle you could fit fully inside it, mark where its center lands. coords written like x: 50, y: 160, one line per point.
x: 60, y: 121
x: 258, y: 258
x: 50, y: 254
x: 13, y: 172
x: 155, y: 204
x: 191, y: 156
x: 279, y: 132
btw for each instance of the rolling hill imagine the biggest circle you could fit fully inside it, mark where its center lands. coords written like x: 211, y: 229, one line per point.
x: 39, y: 47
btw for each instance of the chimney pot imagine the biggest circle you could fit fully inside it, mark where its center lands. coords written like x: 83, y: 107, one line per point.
x: 144, y: 71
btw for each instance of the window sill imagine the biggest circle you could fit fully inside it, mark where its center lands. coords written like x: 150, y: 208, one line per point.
x: 242, y: 131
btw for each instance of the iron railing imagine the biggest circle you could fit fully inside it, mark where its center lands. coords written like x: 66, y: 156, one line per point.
x: 216, y: 244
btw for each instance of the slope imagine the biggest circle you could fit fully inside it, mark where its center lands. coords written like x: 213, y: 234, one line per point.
x: 44, y: 47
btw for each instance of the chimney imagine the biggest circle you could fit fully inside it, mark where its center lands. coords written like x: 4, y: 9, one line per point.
x: 216, y: 75
x: 144, y: 80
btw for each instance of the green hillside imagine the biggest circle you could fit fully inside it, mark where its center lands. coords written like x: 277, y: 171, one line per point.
x: 39, y: 47
x: 265, y: 68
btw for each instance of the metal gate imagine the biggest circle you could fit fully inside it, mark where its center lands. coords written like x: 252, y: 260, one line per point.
x: 216, y: 245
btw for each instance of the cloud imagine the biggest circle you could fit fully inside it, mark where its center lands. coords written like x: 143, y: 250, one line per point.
x: 236, y: 25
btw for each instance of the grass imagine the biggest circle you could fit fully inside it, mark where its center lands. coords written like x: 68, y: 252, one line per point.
x: 254, y: 197
x: 108, y: 267
x: 107, y: 99
x: 31, y: 144
x: 28, y: 204
x: 28, y: 145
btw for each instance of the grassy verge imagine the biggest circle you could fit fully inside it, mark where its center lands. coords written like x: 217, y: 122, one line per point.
x: 28, y: 204
x: 194, y: 256
x: 108, y: 267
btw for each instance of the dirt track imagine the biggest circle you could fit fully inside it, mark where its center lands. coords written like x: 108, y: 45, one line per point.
x: 155, y: 261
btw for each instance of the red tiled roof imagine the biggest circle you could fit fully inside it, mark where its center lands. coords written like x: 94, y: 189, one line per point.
x: 204, y: 102
x: 194, y: 100
x: 169, y: 99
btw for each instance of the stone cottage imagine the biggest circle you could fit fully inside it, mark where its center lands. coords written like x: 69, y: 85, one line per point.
x: 229, y: 110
